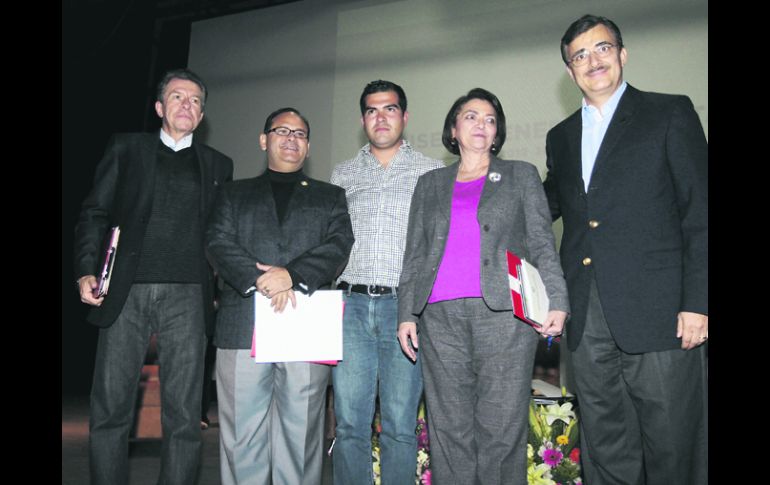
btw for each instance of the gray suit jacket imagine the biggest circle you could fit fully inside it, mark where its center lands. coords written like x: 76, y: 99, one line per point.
x: 513, y: 214
x: 314, y: 241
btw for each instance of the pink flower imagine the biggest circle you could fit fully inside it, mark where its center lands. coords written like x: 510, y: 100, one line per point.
x: 422, y: 437
x: 552, y: 457
x: 425, y: 478
x: 575, y: 455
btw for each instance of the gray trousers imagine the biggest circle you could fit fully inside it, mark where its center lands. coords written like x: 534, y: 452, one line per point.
x: 477, y: 370
x: 643, y: 417
x: 271, y: 419
x: 175, y: 312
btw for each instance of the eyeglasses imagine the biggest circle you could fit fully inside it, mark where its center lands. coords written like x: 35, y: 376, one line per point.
x: 283, y: 131
x: 601, y: 51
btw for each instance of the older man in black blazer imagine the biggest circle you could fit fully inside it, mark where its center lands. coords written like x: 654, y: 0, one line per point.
x: 273, y: 234
x: 628, y: 175
x: 158, y: 189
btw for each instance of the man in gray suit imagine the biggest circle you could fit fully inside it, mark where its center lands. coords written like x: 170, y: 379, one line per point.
x: 628, y: 174
x: 270, y: 236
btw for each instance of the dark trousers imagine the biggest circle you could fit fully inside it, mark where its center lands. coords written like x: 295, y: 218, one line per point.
x: 643, y: 417
x: 477, y: 370
x: 208, y: 371
x: 175, y: 313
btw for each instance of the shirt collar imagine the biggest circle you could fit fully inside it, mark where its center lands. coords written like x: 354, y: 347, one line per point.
x: 184, y: 142
x: 608, y: 109
x: 405, y: 147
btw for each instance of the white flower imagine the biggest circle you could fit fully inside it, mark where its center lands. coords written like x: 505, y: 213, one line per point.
x: 563, y: 412
x: 539, y: 475
x: 422, y: 457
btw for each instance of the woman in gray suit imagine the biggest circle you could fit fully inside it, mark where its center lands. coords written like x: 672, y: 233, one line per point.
x: 477, y: 359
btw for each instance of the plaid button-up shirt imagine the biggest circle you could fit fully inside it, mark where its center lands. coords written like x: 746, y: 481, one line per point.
x: 378, y: 201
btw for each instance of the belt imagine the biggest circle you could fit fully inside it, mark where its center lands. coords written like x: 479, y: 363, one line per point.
x: 371, y: 290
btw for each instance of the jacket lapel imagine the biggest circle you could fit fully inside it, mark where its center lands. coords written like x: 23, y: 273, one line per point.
x: 444, y: 190
x: 492, y: 182
x: 148, y: 154
x: 620, y: 122
x: 203, y: 170
x: 574, y: 132
x: 298, y: 197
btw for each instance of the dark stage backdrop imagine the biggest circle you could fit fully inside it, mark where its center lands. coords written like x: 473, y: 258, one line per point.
x: 112, y: 53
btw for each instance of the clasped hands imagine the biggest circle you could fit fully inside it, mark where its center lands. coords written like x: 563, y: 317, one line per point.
x: 275, y: 283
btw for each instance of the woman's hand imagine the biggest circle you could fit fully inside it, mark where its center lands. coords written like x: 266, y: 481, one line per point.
x: 554, y: 324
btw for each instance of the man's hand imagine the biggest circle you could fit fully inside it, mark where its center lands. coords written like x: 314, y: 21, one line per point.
x: 692, y: 328
x: 278, y: 302
x: 274, y: 280
x: 87, y: 284
x: 408, y: 331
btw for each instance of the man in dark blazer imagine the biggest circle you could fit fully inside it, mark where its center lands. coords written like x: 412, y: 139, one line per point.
x: 628, y: 174
x: 158, y: 190
x: 273, y: 234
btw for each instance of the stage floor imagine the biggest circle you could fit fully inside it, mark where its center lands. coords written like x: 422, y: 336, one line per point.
x: 144, y: 455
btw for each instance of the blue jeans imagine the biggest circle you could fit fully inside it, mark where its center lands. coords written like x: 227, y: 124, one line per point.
x: 371, y: 353
x: 175, y: 312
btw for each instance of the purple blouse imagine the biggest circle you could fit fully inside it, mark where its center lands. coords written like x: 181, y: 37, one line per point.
x: 459, y: 274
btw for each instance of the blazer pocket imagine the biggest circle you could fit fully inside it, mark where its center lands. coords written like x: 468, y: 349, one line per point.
x: 664, y: 258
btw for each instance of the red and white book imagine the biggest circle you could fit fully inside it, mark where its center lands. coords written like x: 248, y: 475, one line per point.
x: 528, y: 295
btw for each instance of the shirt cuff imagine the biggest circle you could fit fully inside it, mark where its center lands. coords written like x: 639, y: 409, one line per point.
x: 297, y: 282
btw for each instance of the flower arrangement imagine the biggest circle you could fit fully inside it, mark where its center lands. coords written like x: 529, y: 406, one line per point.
x: 423, y: 474
x: 377, y: 429
x: 423, y: 448
x: 553, y: 455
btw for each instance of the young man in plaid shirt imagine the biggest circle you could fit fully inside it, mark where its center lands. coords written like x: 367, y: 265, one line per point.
x: 378, y: 184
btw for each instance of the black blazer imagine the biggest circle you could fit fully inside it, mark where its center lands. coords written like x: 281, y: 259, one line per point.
x: 122, y: 195
x: 649, y: 196
x: 314, y: 241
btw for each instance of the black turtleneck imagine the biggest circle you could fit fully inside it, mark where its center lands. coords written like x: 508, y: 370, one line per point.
x: 282, y: 185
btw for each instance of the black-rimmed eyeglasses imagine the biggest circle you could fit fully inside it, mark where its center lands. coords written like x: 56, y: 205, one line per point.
x: 283, y: 131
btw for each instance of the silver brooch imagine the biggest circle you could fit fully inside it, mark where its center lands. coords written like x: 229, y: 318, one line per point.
x: 494, y: 177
